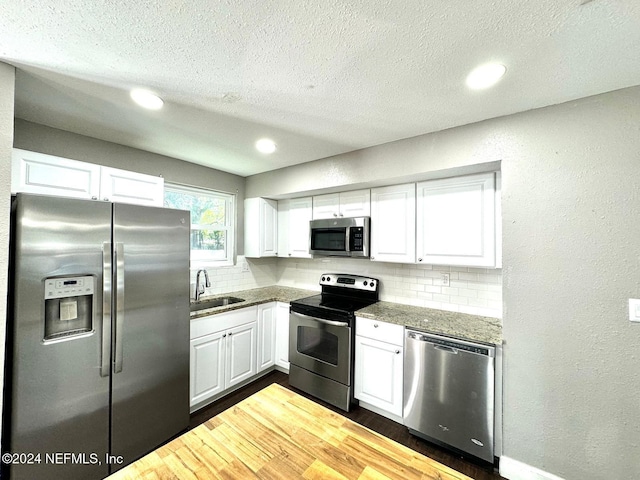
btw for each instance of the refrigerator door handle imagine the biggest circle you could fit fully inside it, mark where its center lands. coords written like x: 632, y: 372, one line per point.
x: 119, y: 317
x: 105, y: 355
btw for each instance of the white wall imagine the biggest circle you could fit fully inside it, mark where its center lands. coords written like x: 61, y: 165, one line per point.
x: 7, y: 88
x: 571, y: 259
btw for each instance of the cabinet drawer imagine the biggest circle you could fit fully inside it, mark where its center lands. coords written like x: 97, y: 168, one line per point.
x: 222, y: 321
x: 383, y: 331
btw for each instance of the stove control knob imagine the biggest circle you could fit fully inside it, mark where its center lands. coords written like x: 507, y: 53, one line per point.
x: 372, y: 284
x: 328, y: 279
x: 323, y: 279
x: 365, y: 283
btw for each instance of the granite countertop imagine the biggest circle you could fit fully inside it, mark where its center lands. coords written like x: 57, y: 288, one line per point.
x: 453, y: 324
x: 429, y: 320
x: 254, y: 296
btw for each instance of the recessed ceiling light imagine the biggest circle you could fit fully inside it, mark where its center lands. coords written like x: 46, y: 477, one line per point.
x: 265, y: 145
x: 485, y: 76
x: 146, y: 99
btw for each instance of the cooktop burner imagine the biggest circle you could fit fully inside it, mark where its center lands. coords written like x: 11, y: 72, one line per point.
x: 342, y: 295
x: 335, y: 302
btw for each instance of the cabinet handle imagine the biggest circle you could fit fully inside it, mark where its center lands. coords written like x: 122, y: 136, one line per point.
x: 341, y: 215
x: 375, y: 325
x: 94, y: 198
x: 106, y: 199
x: 230, y: 333
x: 397, y: 351
x: 224, y: 335
x: 335, y: 214
x: 419, y: 259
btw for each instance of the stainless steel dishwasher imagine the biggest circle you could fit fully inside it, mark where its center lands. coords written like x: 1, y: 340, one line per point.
x: 449, y: 392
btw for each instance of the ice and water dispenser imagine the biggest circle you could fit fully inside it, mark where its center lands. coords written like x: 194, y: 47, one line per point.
x: 69, y: 305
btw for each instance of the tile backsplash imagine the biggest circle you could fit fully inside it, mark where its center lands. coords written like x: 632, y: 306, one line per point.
x: 471, y: 290
x: 259, y: 272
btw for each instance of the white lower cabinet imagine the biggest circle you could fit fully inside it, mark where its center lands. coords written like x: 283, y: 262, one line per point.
x: 379, y: 367
x: 223, y: 353
x: 282, y: 336
x: 207, y: 367
x: 266, y: 335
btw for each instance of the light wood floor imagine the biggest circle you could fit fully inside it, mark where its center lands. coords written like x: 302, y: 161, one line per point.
x: 383, y: 426
x: 278, y: 434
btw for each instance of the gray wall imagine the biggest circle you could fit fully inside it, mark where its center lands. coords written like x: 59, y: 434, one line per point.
x: 43, y: 139
x: 571, y: 256
x: 7, y: 88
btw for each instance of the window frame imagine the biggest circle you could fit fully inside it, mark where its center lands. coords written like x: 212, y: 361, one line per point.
x: 229, y: 227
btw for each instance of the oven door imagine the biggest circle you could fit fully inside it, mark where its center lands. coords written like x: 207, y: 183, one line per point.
x: 320, y: 346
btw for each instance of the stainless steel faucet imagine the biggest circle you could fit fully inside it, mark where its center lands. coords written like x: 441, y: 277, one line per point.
x: 207, y: 283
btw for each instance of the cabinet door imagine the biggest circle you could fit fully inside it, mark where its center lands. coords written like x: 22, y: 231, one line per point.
x: 393, y: 224
x: 355, y: 204
x: 269, y: 228
x: 207, y: 367
x: 379, y: 374
x: 283, y: 228
x: 456, y: 221
x: 282, y: 335
x: 300, y: 213
x: 326, y: 206
x: 260, y: 227
x: 34, y: 172
x: 130, y: 187
x: 241, y: 354
x: 266, y: 335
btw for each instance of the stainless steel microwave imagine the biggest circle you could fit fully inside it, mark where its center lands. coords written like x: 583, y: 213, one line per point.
x: 343, y: 237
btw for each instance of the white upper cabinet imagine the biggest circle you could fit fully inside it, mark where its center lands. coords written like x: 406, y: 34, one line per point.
x: 456, y: 221
x: 260, y: 227
x: 356, y: 203
x: 130, y: 187
x: 393, y: 224
x: 294, y: 216
x: 34, y: 172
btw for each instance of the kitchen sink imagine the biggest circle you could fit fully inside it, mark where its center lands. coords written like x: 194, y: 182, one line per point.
x: 215, y: 302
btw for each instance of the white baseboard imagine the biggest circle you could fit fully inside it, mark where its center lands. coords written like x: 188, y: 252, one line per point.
x: 515, y: 470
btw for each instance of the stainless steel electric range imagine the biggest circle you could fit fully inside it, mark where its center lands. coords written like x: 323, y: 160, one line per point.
x: 322, y: 337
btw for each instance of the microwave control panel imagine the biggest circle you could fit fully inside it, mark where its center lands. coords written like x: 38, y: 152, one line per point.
x: 356, y: 239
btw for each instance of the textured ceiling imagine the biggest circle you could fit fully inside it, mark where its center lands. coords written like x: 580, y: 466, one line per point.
x: 318, y: 77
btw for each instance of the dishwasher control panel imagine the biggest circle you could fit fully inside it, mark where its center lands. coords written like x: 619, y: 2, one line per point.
x: 456, y: 344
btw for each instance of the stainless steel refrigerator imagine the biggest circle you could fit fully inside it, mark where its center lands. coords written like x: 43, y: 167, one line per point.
x: 97, y: 366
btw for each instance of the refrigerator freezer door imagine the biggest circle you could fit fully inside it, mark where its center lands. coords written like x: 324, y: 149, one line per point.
x: 150, y: 373
x: 57, y: 399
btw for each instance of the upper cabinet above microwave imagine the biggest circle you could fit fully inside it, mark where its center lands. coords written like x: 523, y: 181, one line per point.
x: 34, y: 172
x: 356, y: 203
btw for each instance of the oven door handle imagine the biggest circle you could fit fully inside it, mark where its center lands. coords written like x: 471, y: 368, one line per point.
x: 322, y: 320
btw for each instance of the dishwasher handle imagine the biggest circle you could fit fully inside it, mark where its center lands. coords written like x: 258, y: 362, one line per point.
x: 450, y: 345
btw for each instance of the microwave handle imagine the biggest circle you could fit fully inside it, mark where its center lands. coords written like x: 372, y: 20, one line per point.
x: 347, y: 240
